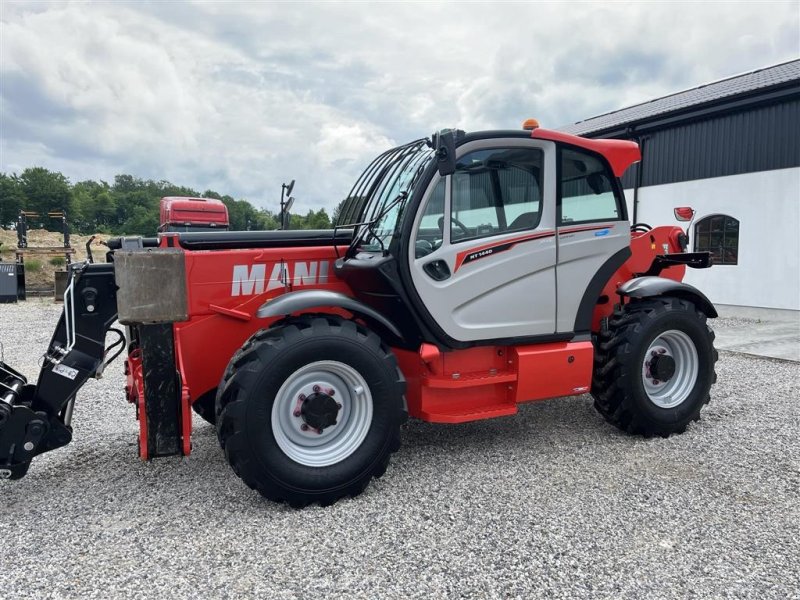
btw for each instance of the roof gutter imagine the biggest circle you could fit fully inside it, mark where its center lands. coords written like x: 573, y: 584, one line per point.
x: 698, y: 112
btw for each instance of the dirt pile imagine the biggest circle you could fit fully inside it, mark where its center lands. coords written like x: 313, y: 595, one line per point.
x: 40, y: 268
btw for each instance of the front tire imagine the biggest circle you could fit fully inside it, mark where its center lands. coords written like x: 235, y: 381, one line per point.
x: 310, y: 411
x: 654, y: 366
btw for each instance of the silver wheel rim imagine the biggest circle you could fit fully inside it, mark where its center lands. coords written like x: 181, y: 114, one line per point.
x: 335, y: 443
x: 679, y: 346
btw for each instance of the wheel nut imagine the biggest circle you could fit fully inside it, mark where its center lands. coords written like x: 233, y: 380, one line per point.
x: 316, y: 388
x: 303, y: 427
x: 339, y: 405
x: 296, y: 413
x: 301, y: 397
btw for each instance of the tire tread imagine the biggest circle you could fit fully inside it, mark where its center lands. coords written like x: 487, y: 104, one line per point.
x: 615, y: 344
x: 236, y: 386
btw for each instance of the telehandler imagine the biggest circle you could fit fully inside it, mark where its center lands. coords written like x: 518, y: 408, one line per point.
x: 468, y: 273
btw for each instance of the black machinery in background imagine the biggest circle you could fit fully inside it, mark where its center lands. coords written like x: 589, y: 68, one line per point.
x: 24, y: 249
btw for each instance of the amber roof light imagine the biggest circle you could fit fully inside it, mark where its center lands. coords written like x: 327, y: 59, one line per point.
x: 530, y: 124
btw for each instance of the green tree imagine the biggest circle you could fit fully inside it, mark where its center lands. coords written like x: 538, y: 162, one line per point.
x: 137, y: 203
x: 337, y: 212
x: 129, y: 206
x: 11, y: 199
x: 268, y: 220
x: 165, y: 188
x: 46, y: 191
x: 348, y: 210
x: 244, y: 216
x: 317, y: 220
x: 94, y: 208
x: 141, y: 221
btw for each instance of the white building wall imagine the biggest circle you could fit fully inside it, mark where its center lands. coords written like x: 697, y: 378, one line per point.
x: 767, y: 205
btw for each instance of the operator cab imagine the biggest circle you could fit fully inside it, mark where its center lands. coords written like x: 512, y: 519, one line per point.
x: 500, y: 237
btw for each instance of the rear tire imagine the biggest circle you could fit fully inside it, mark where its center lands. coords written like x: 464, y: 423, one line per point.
x: 654, y: 366
x: 291, y: 451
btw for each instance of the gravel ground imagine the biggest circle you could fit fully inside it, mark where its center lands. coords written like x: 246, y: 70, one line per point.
x: 550, y: 503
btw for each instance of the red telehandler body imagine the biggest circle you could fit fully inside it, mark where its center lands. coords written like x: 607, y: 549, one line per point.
x: 471, y: 272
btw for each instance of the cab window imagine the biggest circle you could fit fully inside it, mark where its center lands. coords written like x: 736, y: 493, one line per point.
x: 586, y: 190
x: 429, y: 233
x: 496, y: 191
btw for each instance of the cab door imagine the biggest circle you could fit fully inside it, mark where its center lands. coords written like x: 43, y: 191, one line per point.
x: 483, y: 252
x: 593, y: 235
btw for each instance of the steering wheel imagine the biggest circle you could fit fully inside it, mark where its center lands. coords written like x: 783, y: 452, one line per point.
x: 465, y: 232
x: 423, y: 248
x: 641, y: 227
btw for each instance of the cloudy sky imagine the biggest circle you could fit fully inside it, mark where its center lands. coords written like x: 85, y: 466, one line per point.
x: 242, y: 96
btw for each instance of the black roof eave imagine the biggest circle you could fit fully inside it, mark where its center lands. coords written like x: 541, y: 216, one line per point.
x: 700, y: 111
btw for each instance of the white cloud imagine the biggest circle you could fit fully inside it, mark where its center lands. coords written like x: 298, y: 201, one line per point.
x: 242, y: 97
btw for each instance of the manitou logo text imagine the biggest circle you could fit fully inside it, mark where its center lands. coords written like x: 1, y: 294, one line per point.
x: 251, y: 279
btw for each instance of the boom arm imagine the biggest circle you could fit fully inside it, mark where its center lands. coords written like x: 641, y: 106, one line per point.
x: 36, y: 418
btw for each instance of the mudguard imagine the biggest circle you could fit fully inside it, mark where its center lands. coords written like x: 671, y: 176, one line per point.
x: 648, y: 287
x: 305, y: 300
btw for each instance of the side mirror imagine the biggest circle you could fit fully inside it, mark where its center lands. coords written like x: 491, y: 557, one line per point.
x: 446, y: 152
x: 684, y: 213
x: 289, y: 188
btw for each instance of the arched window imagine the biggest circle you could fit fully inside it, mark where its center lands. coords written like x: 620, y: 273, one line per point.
x: 718, y: 234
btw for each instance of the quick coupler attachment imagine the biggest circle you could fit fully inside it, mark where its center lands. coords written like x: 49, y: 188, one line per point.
x: 22, y: 430
x: 11, y: 384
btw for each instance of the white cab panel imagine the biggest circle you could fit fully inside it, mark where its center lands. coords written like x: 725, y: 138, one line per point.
x: 501, y: 285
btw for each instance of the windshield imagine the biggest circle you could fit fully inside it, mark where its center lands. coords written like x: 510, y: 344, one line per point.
x: 377, y: 199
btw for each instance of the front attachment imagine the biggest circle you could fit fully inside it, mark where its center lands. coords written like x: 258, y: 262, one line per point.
x: 36, y: 418
x: 21, y: 429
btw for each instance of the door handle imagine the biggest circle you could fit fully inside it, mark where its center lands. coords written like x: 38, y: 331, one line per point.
x: 437, y: 269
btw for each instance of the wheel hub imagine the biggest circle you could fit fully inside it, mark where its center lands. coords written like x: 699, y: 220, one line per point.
x: 319, y: 410
x: 670, y: 368
x: 662, y: 367
x: 321, y: 413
